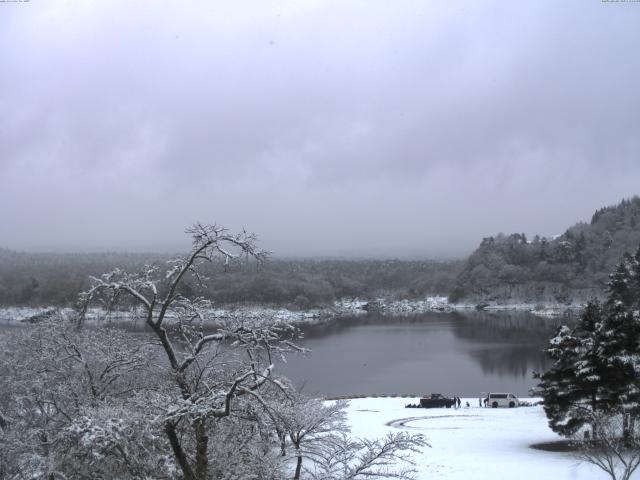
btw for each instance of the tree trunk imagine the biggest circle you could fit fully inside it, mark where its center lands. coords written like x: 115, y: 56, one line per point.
x: 626, y: 423
x: 283, y: 442
x: 178, y: 452
x: 594, y: 406
x: 298, y: 465
x: 44, y: 441
x: 202, y: 443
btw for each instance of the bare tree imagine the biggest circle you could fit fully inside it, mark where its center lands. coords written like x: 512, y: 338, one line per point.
x: 58, y: 385
x: 614, y: 445
x: 307, y: 423
x: 210, y: 370
x: 342, y: 457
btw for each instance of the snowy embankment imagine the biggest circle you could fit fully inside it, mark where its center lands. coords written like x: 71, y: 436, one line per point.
x: 343, y: 307
x: 25, y: 314
x: 471, y: 443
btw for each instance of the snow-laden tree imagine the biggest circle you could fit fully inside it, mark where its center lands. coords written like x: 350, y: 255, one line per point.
x: 572, y: 388
x: 620, y: 349
x: 60, y: 387
x: 614, y: 448
x: 315, y: 435
x: 211, y: 374
x: 342, y: 457
x: 185, y: 399
x: 307, y: 424
x: 242, y: 447
x: 620, y: 339
x: 87, y: 404
x: 597, y: 362
x: 624, y: 281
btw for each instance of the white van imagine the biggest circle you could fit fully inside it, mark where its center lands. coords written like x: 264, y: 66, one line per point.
x: 495, y: 400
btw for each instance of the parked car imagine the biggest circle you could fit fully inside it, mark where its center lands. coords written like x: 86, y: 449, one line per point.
x: 435, y: 400
x: 495, y: 400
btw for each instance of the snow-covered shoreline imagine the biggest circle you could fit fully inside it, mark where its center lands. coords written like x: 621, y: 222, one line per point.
x: 341, y: 308
x: 471, y: 442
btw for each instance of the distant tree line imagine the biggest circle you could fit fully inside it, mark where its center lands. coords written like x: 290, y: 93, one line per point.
x: 40, y: 279
x: 34, y: 279
x: 572, y: 266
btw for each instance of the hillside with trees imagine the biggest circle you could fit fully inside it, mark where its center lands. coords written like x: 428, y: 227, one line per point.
x: 51, y: 279
x: 572, y: 267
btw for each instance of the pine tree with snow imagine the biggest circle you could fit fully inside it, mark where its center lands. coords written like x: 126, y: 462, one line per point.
x: 620, y: 335
x: 591, y: 366
x: 571, y: 388
x: 620, y: 340
x: 623, y: 282
x: 636, y: 277
x: 597, y: 363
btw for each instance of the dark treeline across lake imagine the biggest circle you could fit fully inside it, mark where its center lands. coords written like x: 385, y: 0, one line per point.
x: 50, y: 279
x: 455, y: 353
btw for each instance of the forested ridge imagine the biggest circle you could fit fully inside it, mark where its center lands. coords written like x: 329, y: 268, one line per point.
x: 572, y: 267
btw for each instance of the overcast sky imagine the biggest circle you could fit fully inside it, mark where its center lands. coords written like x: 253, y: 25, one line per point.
x: 330, y: 128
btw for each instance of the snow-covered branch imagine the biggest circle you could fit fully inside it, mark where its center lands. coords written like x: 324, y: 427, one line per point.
x: 346, y: 458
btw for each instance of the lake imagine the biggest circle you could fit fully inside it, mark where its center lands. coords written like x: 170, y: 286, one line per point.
x: 457, y: 353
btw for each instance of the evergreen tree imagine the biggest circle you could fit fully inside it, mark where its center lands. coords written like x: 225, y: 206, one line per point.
x: 620, y: 335
x: 636, y: 276
x: 597, y: 363
x: 623, y: 282
x: 571, y: 388
x: 591, y: 367
x: 619, y: 338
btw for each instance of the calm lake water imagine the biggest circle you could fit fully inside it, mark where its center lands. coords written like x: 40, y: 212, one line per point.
x: 454, y: 353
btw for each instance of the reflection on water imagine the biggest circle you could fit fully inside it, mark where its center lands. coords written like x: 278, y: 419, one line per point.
x: 455, y: 353
x: 513, y: 341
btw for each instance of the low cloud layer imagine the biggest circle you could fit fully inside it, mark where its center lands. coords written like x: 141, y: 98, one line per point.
x: 328, y: 127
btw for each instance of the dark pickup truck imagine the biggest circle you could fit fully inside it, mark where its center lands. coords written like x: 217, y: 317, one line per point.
x: 436, y: 400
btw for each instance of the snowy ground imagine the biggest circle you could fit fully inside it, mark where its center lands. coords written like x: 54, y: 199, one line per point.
x: 472, y: 443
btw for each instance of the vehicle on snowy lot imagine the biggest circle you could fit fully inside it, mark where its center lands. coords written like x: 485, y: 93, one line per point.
x: 435, y: 400
x: 495, y: 400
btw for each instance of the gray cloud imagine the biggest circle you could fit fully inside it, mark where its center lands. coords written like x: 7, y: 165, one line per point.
x: 330, y: 128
